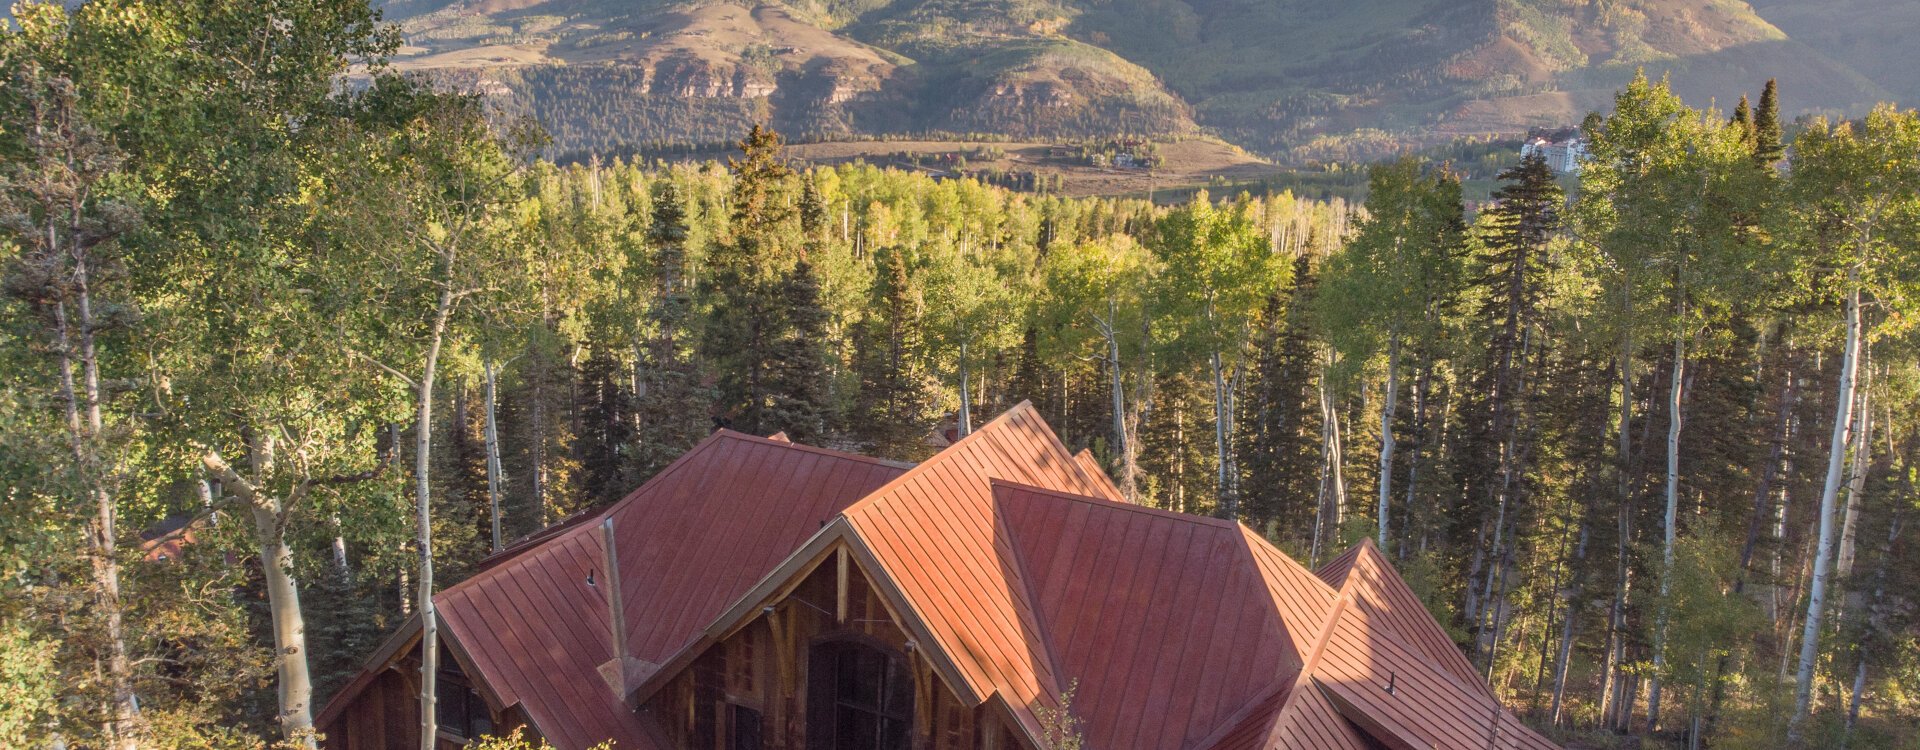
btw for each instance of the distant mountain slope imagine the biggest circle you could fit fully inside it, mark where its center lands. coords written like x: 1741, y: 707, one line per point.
x: 600, y: 73
x: 1289, y: 73
x: 1348, y: 78
x: 1878, y: 38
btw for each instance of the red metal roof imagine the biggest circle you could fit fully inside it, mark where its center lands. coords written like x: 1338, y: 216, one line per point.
x: 1384, y: 595
x: 1017, y: 561
x: 1091, y: 467
x: 1168, y: 621
x: 691, y: 540
x: 1389, y: 687
x: 935, y: 532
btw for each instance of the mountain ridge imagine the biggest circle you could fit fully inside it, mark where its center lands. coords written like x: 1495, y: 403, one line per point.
x: 1286, y: 78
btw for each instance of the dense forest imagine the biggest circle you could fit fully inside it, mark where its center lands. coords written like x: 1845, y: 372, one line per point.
x: 283, y: 357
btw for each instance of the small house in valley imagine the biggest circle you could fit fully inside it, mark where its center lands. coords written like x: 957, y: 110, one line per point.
x: 763, y: 594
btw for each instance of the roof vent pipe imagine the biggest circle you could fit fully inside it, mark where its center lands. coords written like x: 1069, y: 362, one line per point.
x: 623, y: 672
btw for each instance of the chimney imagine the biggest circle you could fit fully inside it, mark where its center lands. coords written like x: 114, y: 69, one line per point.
x: 623, y: 672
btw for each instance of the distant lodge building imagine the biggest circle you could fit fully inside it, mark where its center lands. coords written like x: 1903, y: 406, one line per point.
x: 773, y: 595
x: 1563, y: 148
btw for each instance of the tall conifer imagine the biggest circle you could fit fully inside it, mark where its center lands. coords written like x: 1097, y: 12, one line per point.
x: 671, y: 408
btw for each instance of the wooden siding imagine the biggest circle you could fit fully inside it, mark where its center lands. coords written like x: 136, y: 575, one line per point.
x: 763, y: 666
x: 384, y: 711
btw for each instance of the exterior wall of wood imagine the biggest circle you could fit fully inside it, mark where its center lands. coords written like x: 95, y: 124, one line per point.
x: 386, y: 712
x: 763, y: 667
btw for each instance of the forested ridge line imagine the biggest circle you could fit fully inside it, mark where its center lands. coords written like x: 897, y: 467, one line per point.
x: 282, y: 359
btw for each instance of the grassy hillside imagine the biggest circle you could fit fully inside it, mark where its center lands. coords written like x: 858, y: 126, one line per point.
x: 1295, y: 79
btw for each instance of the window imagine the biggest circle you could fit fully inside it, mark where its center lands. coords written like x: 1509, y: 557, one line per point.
x: 743, y: 728
x: 459, y: 708
x: 859, y: 697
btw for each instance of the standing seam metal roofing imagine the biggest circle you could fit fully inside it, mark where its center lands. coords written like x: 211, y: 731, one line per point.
x: 1021, y: 566
x: 693, y: 539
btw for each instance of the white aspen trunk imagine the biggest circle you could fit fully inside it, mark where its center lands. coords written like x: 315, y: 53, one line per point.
x: 1623, y: 489
x: 1496, y: 555
x: 423, y: 530
x: 1420, y: 428
x: 283, y: 591
x: 1339, y: 471
x: 1859, y: 463
x: 493, y: 451
x: 1829, y: 495
x: 289, y: 626
x: 1566, y: 633
x: 1117, y: 382
x: 123, y: 729
x: 966, y: 403
x: 1229, y: 503
x: 1672, y: 520
x: 1853, y: 702
x: 1386, y: 432
x: 540, y: 441
x: 339, y: 551
x: 1326, y: 471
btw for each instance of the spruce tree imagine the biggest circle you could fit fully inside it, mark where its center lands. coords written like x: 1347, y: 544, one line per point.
x: 1768, y: 146
x: 1491, y: 457
x: 1282, y: 428
x: 671, y: 410
x: 752, y: 287
x: 1743, y: 119
x: 798, y: 374
x: 893, y: 409
x: 602, y: 402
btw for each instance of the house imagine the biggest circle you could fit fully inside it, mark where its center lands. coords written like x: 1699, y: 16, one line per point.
x: 1563, y: 148
x: 763, y: 594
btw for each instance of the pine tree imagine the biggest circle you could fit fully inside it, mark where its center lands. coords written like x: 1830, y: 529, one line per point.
x: 893, y: 409
x: 1491, y: 457
x: 747, y: 281
x: 1280, y: 456
x: 671, y: 409
x: 1768, y: 146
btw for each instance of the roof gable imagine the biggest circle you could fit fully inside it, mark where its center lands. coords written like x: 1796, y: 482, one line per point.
x: 1380, y: 591
x: 1378, y: 680
x: 935, y: 532
x: 1166, y: 620
x: 692, y: 540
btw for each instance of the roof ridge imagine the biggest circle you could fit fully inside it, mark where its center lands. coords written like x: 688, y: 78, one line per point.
x: 1378, y: 627
x: 937, y: 459
x: 1257, y: 542
x: 1042, y: 633
x: 1383, y: 568
x: 789, y: 443
x: 531, y: 546
x: 997, y: 482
